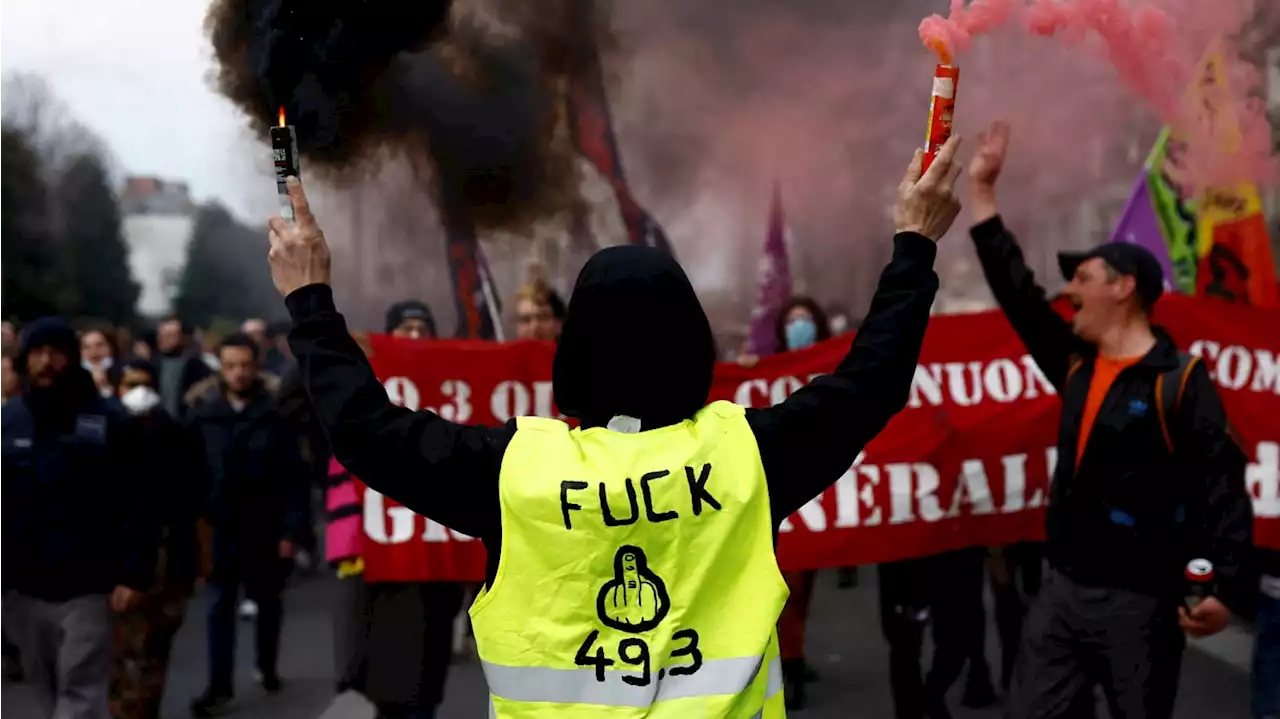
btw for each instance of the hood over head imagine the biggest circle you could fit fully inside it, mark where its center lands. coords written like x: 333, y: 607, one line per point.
x: 52, y: 332
x: 72, y: 389
x: 636, y: 342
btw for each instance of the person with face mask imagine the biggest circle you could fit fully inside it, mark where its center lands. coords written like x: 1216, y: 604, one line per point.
x: 800, y: 324
x: 98, y: 355
x: 174, y: 477
x: 631, y: 567
x: 1148, y: 476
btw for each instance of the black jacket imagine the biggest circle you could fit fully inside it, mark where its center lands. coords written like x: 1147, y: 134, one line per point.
x: 256, y: 477
x: 175, y: 482
x: 75, y: 509
x: 1132, y: 513
x: 637, y: 342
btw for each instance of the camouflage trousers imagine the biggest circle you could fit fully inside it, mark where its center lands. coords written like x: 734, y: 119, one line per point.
x: 143, y: 640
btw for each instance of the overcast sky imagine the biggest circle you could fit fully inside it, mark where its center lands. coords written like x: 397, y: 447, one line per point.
x: 135, y: 71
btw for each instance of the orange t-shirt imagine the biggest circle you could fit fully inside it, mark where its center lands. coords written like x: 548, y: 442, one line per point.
x: 1105, y: 370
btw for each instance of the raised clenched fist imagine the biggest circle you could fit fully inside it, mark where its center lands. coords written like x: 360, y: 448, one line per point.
x: 635, y: 600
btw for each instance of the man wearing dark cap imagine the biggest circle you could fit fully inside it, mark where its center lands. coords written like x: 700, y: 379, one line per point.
x: 1148, y: 477
x: 77, y: 543
x: 411, y: 319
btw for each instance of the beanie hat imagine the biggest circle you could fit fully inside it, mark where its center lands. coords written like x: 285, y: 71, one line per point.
x: 410, y: 310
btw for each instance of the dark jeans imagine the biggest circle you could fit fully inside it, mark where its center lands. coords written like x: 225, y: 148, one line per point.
x: 1266, y: 660
x: 1015, y: 580
x: 410, y: 643
x: 351, y: 633
x: 944, y: 591
x: 258, y: 567
x: 1079, y: 636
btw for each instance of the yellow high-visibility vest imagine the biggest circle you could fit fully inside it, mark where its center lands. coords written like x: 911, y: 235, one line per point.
x: 637, y: 577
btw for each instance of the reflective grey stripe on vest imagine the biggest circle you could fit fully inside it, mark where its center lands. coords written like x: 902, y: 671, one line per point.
x: 773, y: 684
x: 579, y: 686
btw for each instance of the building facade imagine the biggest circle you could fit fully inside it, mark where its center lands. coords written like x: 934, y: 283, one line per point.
x: 158, y: 219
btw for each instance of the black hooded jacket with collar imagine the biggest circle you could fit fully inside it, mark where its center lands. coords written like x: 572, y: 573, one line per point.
x: 636, y: 342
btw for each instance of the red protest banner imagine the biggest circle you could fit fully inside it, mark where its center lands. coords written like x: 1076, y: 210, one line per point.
x: 966, y: 463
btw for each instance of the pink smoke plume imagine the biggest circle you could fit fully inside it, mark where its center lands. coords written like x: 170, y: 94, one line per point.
x: 1155, y: 47
x: 953, y: 34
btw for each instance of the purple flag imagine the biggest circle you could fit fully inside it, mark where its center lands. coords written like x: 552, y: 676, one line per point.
x: 1138, y: 225
x: 775, y: 282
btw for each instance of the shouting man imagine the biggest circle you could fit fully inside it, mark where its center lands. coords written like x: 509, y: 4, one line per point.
x: 1148, y: 476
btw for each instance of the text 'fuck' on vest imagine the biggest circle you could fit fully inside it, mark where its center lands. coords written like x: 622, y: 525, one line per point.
x: 637, y: 576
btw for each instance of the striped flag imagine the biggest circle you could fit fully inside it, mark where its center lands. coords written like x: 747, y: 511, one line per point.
x: 479, y: 310
x: 774, y: 287
x: 591, y: 126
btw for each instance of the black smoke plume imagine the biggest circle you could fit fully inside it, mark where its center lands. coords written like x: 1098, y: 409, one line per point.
x: 476, y: 110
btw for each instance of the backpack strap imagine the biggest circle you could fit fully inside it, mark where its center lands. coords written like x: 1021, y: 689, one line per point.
x: 1076, y: 362
x: 1170, y: 386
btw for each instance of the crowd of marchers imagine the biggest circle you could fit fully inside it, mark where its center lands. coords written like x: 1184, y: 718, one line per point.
x: 137, y: 469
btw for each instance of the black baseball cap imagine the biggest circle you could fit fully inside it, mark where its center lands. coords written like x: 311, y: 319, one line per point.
x: 1132, y: 260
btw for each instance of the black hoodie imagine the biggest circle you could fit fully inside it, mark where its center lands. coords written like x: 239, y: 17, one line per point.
x: 636, y: 342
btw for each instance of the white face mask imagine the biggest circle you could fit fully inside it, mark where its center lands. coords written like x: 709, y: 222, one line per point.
x: 104, y: 364
x: 140, y: 400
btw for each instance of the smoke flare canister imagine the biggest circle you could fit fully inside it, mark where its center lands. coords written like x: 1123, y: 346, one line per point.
x: 941, y: 107
x: 1199, y: 576
x: 284, y: 152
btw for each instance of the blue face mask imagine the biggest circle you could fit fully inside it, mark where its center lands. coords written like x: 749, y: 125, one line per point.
x: 801, y: 333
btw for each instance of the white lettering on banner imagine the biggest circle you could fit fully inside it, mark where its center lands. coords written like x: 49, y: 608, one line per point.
x: 913, y: 489
x: 377, y: 514
x: 963, y: 383
x: 850, y: 501
x: 1007, y: 380
x: 1263, y: 481
x: 1015, y: 481
x: 913, y: 494
x: 1236, y: 367
x: 967, y: 383
x: 512, y: 399
x: 763, y: 393
x: 972, y: 488
x: 404, y: 393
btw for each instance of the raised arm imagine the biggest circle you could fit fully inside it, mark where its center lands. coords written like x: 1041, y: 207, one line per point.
x: 812, y: 437
x: 437, y: 468
x: 1047, y: 336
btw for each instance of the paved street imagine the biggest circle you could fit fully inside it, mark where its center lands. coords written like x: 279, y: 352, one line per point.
x: 844, y: 646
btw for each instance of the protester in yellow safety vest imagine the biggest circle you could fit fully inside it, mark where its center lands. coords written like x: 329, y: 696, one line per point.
x: 631, y: 570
